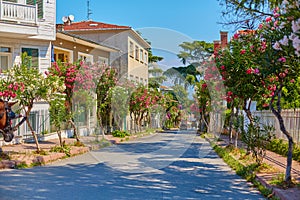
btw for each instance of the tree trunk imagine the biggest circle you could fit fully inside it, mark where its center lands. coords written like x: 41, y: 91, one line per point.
x: 74, y: 130
x: 59, y: 137
x: 277, y: 113
x: 27, y: 113
x: 288, y: 177
x: 38, y: 149
x: 230, y: 124
x: 238, y: 127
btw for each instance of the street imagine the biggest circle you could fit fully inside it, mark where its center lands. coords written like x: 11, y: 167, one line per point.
x: 172, y: 165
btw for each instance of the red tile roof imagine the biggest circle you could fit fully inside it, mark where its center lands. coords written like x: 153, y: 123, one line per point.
x: 92, y: 25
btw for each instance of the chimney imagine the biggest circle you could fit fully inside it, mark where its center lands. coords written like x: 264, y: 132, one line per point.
x: 60, y: 27
x: 217, y: 46
x: 224, y: 38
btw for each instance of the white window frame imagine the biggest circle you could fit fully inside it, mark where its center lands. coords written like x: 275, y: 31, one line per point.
x: 137, y: 52
x: 9, y: 56
x: 131, y: 49
x: 141, y: 55
x: 102, y: 60
x: 89, y: 56
x: 146, y: 58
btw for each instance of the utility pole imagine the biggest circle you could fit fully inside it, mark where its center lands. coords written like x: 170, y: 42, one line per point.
x: 89, y: 11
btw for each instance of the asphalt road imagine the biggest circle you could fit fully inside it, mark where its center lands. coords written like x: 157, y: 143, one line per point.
x: 174, y: 165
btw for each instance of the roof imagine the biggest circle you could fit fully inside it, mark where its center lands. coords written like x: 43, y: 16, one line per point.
x: 99, y: 26
x: 92, y: 25
x: 84, y: 41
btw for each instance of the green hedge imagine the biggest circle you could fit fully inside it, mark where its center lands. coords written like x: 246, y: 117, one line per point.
x: 281, y: 147
x: 120, y: 134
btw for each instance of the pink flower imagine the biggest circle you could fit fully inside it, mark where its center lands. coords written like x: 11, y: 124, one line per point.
x: 229, y: 93
x: 236, y: 36
x: 249, y: 71
x: 260, y: 26
x: 282, y: 59
x: 282, y: 75
x: 276, y: 15
x: 223, y: 67
x: 265, y: 105
x: 243, y: 51
x: 256, y: 71
x: 13, y: 95
x: 292, y: 81
x: 268, y: 19
x: 16, y: 87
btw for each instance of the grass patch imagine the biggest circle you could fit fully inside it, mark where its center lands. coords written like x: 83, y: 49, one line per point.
x: 22, y: 165
x: 247, y: 171
x: 62, y: 149
x: 78, y: 144
x: 4, y: 156
x: 120, y: 134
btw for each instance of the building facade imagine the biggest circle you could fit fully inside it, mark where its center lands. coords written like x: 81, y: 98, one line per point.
x: 132, y: 59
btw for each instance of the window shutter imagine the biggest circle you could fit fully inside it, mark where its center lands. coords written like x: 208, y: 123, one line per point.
x: 40, y: 4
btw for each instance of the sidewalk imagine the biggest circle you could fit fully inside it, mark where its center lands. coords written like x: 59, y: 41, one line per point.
x: 278, y: 162
x: 25, y: 152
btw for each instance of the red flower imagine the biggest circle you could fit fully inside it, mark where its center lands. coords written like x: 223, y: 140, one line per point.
x: 249, y: 71
x: 268, y: 19
x: 243, y: 51
x: 229, y: 93
x: 236, y: 36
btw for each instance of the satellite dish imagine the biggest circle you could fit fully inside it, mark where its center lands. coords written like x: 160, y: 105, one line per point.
x: 64, y: 19
x: 71, y: 17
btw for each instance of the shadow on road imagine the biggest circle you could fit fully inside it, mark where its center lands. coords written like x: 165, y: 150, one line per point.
x: 186, y: 177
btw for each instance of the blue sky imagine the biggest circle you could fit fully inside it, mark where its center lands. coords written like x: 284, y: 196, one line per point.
x: 166, y: 23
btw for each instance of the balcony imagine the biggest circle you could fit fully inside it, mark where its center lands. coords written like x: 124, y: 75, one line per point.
x: 19, y: 13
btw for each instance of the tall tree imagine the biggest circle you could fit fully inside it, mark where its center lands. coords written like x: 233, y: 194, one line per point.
x: 195, y: 52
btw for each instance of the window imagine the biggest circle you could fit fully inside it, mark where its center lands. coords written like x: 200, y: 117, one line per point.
x: 136, y: 52
x: 131, y: 49
x: 146, y: 58
x: 32, y: 58
x: 102, y: 61
x: 131, y: 77
x: 141, y: 55
x: 87, y: 58
x: 5, y: 58
x: 40, y: 7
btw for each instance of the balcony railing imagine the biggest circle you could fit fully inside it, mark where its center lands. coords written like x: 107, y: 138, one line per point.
x: 19, y: 13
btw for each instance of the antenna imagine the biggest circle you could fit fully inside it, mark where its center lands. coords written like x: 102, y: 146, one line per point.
x: 64, y: 19
x: 89, y: 11
x: 71, y: 17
